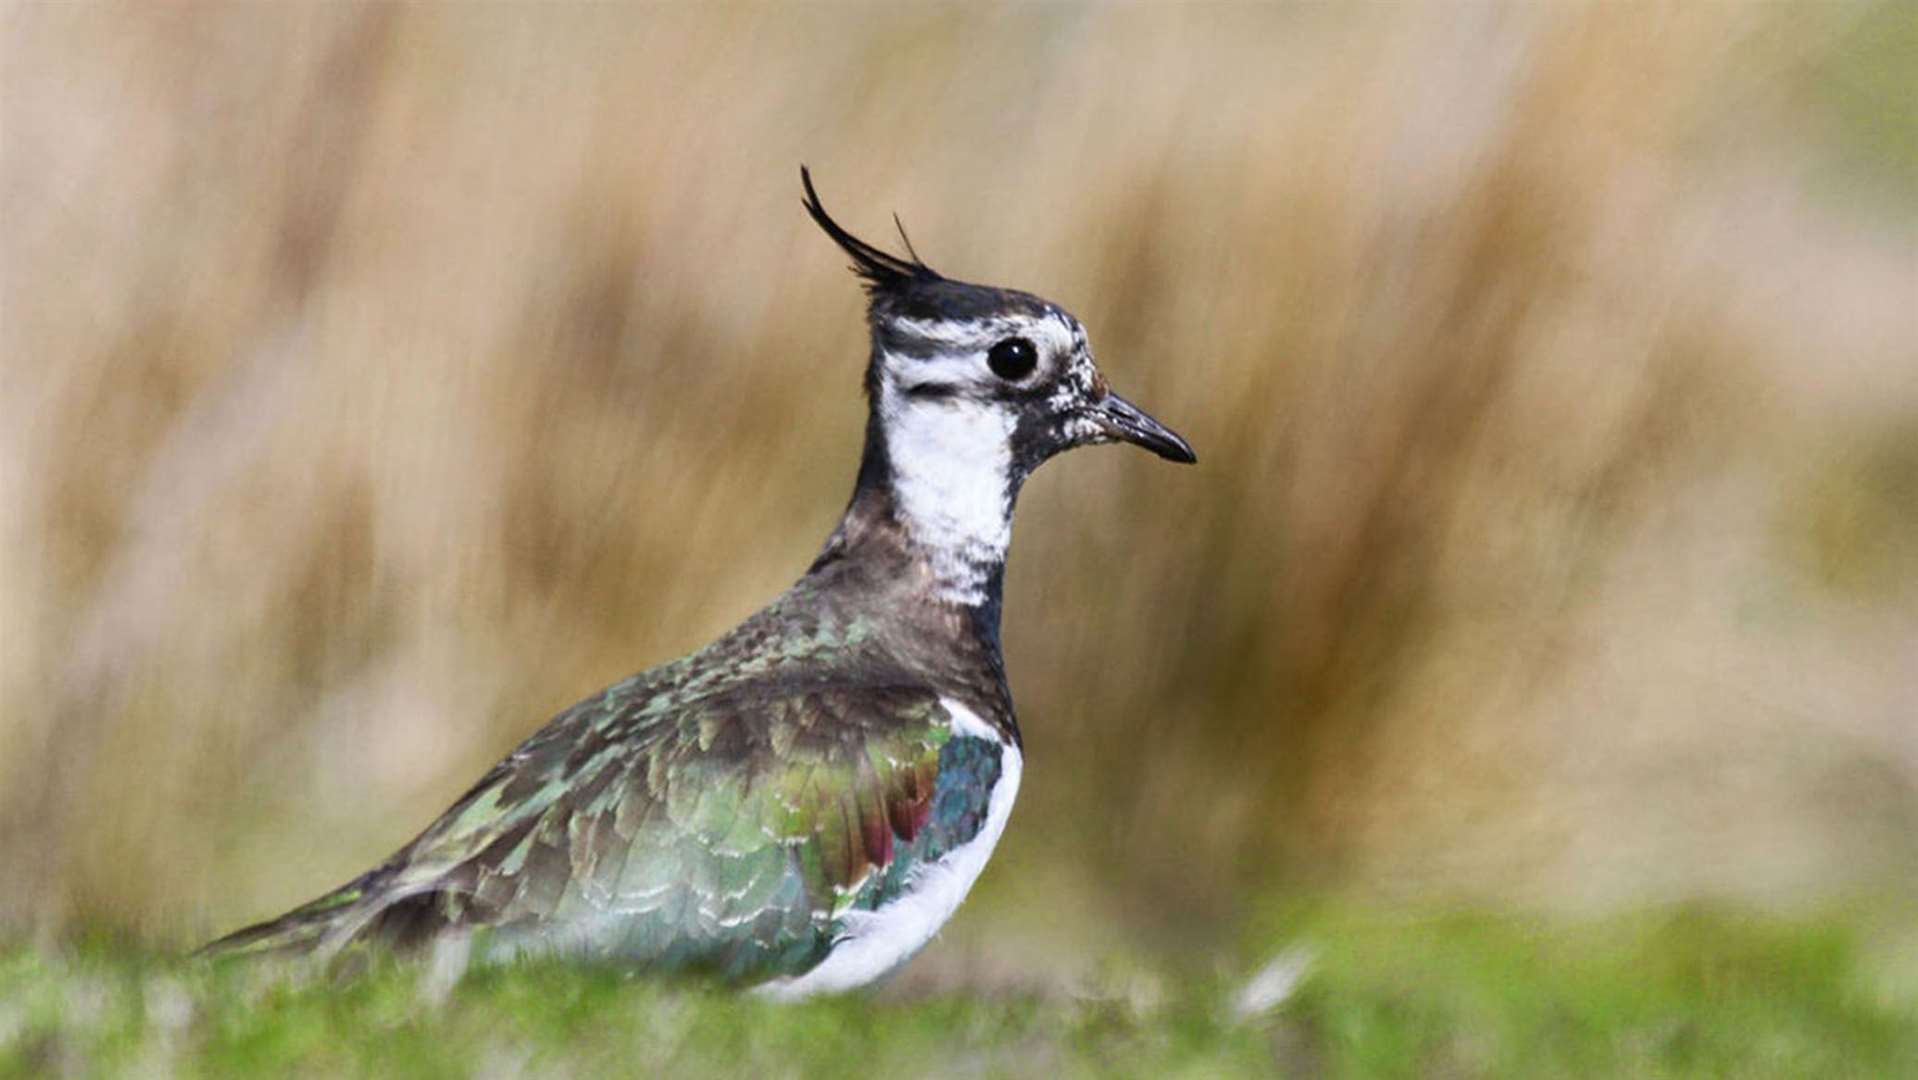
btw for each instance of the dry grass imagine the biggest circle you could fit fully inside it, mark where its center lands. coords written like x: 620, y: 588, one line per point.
x: 379, y: 379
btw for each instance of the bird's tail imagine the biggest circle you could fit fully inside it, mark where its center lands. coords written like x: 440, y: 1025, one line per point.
x: 306, y: 930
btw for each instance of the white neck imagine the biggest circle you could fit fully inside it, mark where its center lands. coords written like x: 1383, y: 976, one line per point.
x: 952, y: 483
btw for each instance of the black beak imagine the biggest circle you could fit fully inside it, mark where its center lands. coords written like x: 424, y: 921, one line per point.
x: 1126, y: 422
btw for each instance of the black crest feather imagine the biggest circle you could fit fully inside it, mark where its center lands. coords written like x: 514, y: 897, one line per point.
x: 879, y: 269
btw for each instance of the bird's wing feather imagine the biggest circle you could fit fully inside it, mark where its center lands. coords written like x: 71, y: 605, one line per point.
x: 693, y: 835
x: 729, y: 833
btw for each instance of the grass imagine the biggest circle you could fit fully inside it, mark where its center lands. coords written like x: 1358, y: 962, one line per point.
x: 1666, y: 994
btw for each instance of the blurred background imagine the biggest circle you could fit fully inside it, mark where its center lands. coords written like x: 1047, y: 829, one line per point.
x: 379, y: 380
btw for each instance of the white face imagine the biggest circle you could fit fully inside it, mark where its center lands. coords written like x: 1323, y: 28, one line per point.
x: 956, y: 354
x: 969, y: 407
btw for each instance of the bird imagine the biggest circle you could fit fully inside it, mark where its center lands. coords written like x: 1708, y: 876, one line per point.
x: 799, y: 806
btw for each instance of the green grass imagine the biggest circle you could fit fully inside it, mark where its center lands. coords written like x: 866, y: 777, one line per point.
x: 1686, y: 993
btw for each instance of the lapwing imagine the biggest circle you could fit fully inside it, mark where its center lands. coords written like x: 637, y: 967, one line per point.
x: 800, y: 805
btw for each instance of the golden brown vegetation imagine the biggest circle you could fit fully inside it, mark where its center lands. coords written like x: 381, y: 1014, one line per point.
x: 379, y: 379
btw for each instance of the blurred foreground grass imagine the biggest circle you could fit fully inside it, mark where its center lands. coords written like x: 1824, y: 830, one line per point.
x: 1676, y: 992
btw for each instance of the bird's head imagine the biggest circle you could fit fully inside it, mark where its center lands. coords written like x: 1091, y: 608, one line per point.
x: 972, y: 388
x: 1009, y: 358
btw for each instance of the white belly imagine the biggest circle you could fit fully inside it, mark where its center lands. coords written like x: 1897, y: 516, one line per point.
x: 879, y: 941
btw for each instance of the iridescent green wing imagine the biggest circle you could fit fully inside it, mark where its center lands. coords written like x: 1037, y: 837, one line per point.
x: 729, y: 835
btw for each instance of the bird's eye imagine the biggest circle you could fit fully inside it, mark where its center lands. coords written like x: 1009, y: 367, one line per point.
x: 1013, y: 359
